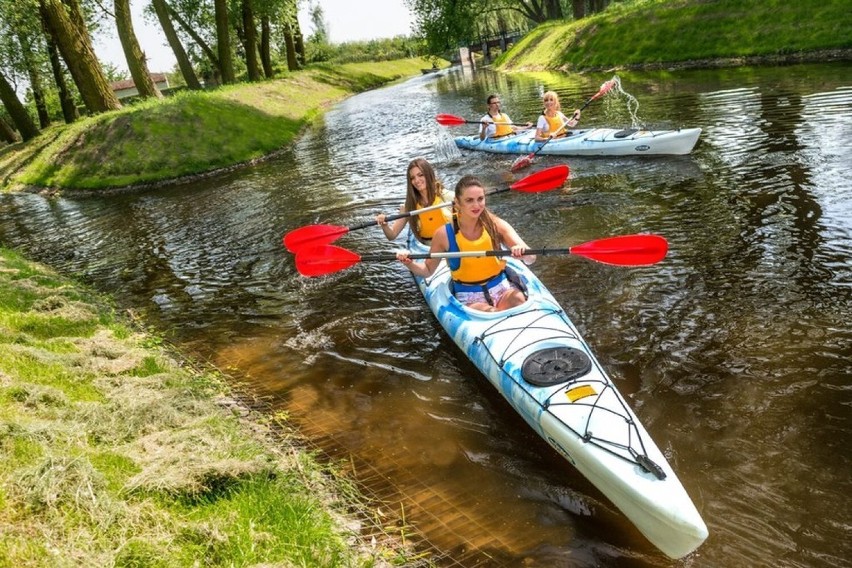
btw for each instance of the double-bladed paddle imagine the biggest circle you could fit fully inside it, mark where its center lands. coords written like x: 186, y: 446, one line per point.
x: 453, y: 120
x: 626, y: 250
x: 525, y: 161
x: 312, y: 235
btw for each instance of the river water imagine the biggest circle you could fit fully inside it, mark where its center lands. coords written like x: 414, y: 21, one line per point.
x: 735, y: 351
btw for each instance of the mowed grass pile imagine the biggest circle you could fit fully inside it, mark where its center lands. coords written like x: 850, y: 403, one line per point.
x: 113, y: 454
x: 190, y: 133
x: 659, y: 31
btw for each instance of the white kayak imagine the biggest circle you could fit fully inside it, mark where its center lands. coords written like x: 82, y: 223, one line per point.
x: 535, y: 357
x: 591, y: 142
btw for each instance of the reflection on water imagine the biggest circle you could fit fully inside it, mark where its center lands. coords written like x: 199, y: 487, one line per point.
x: 735, y: 351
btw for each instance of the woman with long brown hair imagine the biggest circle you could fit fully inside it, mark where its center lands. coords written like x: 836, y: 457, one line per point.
x: 423, y: 190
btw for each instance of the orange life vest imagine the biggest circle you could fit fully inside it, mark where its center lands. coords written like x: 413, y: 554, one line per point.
x: 433, y: 220
x: 502, y: 124
x: 477, y: 268
x: 554, y: 124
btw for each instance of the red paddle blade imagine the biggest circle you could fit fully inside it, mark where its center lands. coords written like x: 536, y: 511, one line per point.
x: 450, y: 120
x: 325, y: 259
x: 605, y: 88
x: 546, y: 179
x: 522, y: 162
x: 312, y: 235
x: 627, y: 250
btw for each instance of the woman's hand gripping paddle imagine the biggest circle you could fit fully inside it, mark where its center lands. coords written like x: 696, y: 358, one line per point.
x: 525, y: 161
x: 313, y: 235
x: 626, y: 250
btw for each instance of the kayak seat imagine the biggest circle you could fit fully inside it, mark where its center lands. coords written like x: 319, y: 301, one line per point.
x: 555, y: 365
x: 625, y: 133
x: 516, y: 280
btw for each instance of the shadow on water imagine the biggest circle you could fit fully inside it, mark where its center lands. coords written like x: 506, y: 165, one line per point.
x: 735, y: 351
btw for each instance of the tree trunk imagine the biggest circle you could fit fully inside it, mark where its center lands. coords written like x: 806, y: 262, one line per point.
x: 579, y: 9
x: 75, y: 45
x: 598, y: 6
x: 66, y: 99
x: 35, y: 81
x: 177, y: 47
x: 300, y: 44
x: 250, y: 43
x: 553, y: 9
x: 292, y: 62
x: 265, y: 57
x: 534, y: 11
x: 223, y: 41
x: 16, y: 110
x: 7, y: 133
x: 133, y: 53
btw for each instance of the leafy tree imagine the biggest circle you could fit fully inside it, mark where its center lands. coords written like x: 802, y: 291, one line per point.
x: 22, y: 53
x: 319, y: 23
x: 447, y: 24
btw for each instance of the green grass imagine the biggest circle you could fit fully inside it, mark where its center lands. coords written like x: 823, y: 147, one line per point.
x: 113, y: 454
x: 190, y: 133
x: 667, y: 31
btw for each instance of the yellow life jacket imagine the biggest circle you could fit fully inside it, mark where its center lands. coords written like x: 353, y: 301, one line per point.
x: 477, y: 268
x: 433, y: 220
x: 555, y: 123
x: 502, y: 124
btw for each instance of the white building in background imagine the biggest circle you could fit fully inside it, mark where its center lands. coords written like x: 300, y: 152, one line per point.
x: 127, y: 88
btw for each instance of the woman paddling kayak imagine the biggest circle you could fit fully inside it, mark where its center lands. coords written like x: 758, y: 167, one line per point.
x: 422, y: 190
x: 482, y: 282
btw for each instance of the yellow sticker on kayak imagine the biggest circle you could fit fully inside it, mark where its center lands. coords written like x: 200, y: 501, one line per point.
x: 582, y: 391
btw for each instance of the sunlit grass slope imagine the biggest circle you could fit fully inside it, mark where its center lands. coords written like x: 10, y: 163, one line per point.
x: 660, y: 31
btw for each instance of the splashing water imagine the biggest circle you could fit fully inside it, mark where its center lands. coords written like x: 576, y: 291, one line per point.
x: 632, y: 104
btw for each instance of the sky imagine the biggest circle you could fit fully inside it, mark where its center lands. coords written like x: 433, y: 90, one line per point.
x: 347, y: 20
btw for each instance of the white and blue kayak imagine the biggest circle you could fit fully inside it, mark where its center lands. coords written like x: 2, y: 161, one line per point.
x: 535, y: 358
x: 591, y: 142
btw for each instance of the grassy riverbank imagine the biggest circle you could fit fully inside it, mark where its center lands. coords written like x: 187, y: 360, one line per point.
x: 113, y: 453
x: 189, y: 134
x: 649, y: 33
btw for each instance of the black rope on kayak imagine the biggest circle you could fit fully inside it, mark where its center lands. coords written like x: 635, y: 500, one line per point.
x: 516, y: 344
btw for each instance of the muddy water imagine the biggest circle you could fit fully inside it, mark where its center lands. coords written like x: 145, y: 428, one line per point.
x: 734, y: 352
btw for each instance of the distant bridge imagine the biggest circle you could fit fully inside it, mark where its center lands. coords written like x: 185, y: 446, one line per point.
x: 484, y: 45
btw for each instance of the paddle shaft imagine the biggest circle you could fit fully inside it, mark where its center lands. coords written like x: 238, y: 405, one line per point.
x: 463, y: 254
x: 423, y: 210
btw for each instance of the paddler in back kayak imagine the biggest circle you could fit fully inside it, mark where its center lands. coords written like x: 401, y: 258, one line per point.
x: 496, y: 123
x: 482, y: 282
x: 552, y: 122
x: 422, y: 190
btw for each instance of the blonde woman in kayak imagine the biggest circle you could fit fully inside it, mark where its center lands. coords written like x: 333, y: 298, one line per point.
x: 422, y: 190
x: 482, y: 282
x: 552, y: 123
